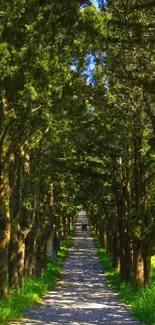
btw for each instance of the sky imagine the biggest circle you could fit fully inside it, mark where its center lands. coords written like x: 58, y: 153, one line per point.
x: 90, y: 66
x: 95, y: 3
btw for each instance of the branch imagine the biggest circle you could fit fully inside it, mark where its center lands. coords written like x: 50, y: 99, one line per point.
x: 5, y: 132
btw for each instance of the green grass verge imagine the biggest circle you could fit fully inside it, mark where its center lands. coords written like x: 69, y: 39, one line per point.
x: 142, y: 302
x: 32, y: 292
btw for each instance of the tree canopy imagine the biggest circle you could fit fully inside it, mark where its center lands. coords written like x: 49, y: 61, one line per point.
x: 77, y: 128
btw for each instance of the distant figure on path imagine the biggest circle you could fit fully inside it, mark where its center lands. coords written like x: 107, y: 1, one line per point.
x: 83, y: 226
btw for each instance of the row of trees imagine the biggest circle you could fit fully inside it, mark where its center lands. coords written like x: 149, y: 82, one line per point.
x: 39, y: 91
x: 76, y: 133
x: 122, y: 210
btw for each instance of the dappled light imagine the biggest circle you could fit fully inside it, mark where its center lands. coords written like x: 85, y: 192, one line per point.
x: 77, y: 141
x: 82, y: 295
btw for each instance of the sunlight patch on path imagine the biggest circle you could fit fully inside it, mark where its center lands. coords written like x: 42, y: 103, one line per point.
x: 82, y: 295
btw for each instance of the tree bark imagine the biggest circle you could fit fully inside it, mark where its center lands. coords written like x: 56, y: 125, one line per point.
x: 102, y: 234
x: 138, y: 269
x: 115, y: 249
x: 4, y: 229
x: 147, y: 264
x: 122, y: 251
x: 21, y: 254
x: 16, y: 187
x: 30, y: 252
x: 41, y: 255
x: 55, y: 242
x: 4, y: 196
x: 109, y: 246
x: 13, y: 258
x: 4, y: 242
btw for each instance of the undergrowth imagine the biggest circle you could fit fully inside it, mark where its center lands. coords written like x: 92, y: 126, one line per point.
x: 33, y: 289
x: 142, y: 302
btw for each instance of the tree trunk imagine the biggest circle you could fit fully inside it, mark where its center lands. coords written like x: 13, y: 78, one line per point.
x: 16, y: 187
x: 55, y: 243
x: 4, y: 230
x: 109, y: 246
x: 138, y: 269
x: 21, y: 254
x: 147, y: 264
x: 128, y: 205
x: 102, y: 234
x: 4, y: 242
x: 13, y: 258
x: 128, y: 259
x: 115, y: 250
x: 30, y: 252
x: 63, y: 233
x: 69, y: 224
x: 30, y: 242
x: 41, y: 256
x: 122, y: 251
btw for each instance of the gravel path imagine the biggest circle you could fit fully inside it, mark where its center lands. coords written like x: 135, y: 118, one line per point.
x: 82, y: 295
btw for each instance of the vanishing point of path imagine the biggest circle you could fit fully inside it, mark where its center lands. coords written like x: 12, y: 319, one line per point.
x: 82, y: 296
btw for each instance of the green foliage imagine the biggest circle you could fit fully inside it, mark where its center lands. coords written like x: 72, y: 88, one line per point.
x: 142, y: 302
x: 111, y: 273
x: 30, y: 294
x: 80, y: 137
x: 33, y: 289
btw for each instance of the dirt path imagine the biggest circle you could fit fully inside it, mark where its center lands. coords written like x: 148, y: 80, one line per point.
x: 82, y: 296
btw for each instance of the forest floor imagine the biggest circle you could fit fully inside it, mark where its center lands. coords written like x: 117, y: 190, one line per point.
x: 82, y: 295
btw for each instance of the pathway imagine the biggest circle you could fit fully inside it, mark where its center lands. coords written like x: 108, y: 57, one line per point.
x: 82, y: 296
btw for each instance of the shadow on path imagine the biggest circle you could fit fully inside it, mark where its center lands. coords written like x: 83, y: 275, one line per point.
x: 82, y: 295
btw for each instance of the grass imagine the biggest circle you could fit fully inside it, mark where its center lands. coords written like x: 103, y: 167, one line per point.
x: 33, y: 290
x: 142, y: 302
